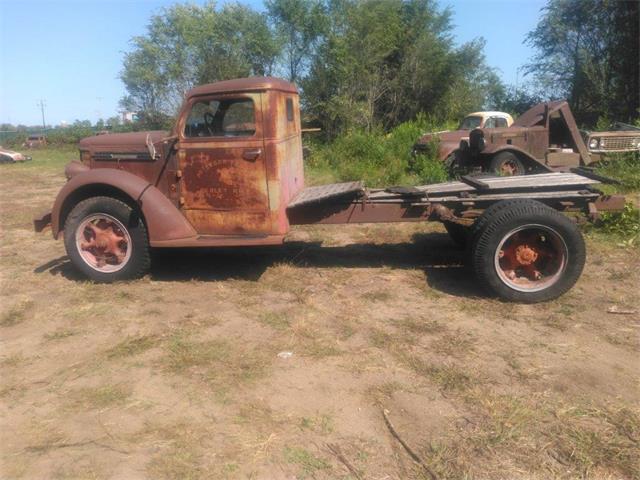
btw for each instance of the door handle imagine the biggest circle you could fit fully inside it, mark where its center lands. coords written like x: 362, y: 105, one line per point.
x: 251, y: 155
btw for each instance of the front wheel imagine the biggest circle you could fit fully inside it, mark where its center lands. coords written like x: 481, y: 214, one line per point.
x: 107, y: 240
x: 527, y: 252
x: 507, y: 164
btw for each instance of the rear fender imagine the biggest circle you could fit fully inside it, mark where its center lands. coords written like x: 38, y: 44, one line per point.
x: 162, y: 219
x: 526, y: 158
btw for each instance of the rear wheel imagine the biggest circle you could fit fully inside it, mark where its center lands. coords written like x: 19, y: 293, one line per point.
x: 507, y: 164
x: 107, y: 240
x: 524, y: 251
x: 458, y: 233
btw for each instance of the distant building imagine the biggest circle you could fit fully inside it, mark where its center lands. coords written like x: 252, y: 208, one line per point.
x: 128, y: 117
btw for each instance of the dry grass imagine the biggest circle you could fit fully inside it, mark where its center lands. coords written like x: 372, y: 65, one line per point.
x: 132, y: 346
x: 177, y: 375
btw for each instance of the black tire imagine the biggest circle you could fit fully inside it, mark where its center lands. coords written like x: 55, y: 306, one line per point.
x: 454, y: 167
x: 138, y: 261
x: 501, y: 222
x: 506, y: 163
x: 458, y: 233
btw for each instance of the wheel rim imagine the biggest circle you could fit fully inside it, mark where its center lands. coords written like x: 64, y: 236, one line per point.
x: 509, y: 168
x: 103, y: 243
x: 531, y: 258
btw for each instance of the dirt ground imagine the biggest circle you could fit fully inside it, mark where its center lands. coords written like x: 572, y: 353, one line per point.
x: 278, y: 363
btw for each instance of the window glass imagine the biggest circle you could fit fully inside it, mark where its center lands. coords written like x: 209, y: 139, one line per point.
x: 490, y: 122
x: 501, y: 122
x: 290, y: 109
x: 233, y: 117
x: 470, y: 123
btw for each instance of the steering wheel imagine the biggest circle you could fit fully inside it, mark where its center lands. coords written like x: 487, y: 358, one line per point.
x: 208, y: 122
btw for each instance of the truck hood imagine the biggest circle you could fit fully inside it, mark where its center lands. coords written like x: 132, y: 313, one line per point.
x: 445, y: 136
x: 122, y: 142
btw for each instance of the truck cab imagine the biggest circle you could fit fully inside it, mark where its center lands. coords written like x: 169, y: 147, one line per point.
x: 229, y: 166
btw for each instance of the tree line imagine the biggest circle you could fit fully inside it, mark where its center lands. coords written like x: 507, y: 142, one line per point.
x: 359, y: 64
x: 367, y: 64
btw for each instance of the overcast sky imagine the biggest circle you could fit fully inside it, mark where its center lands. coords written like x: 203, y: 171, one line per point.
x: 69, y: 52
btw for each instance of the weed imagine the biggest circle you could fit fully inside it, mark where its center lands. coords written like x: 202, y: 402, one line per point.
x: 132, y: 346
x: 15, y: 314
x: 276, y: 320
x: 309, y: 464
x: 377, y: 158
x: 420, y: 326
x: 623, y: 225
x: 455, y: 344
x: 623, y: 167
x: 60, y: 334
x: 448, y: 377
x: 322, y: 424
x: 99, y: 397
x: 377, y: 296
x: 216, y: 361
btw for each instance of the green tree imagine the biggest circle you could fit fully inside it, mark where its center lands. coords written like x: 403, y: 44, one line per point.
x: 190, y: 44
x: 300, y: 25
x: 384, y: 61
x: 587, y: 51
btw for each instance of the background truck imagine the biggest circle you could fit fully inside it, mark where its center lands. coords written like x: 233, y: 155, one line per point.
x: 448, y: 140
x: 543, y: 139
x: 230, y: 173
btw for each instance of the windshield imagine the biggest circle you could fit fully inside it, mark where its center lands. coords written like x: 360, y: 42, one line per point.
x: 470, y: 122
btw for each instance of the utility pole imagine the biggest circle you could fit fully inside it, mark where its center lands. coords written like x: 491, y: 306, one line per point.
x: 42, y: 104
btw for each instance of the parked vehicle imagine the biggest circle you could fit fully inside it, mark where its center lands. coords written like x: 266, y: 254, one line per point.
x: 543, y: 139
x: 468, y: 123
x: 9, y: 156
x: 230, y: 173
x: 35, y: 141
x: 621, y: 138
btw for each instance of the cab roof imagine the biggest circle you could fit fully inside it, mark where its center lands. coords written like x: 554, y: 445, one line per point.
x: 489, y: 114
x: 251, y: 84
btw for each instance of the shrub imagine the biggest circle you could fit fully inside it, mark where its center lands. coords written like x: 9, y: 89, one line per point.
x: 624, y: 167
x: 377, y: 158
x: 624, y: 224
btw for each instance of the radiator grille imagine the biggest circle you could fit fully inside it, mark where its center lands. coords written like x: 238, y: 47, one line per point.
x: 619, y: 143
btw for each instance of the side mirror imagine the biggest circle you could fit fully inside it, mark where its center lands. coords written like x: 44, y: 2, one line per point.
x: 151, y: 147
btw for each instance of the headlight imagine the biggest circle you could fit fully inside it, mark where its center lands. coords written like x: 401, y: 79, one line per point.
x: 593, y: 143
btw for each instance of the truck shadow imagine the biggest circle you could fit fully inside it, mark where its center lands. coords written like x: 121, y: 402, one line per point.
x: 443, y: 263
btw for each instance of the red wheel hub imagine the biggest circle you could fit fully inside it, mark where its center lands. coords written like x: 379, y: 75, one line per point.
x: 103, y: 243
x: 527, y: 257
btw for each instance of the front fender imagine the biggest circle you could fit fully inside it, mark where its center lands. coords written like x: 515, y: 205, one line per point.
x: 163, y: 220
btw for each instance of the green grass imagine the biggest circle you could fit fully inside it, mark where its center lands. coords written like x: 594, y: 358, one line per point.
x: 49, y: 159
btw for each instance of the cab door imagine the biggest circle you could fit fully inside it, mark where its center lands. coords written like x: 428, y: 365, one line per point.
x: 221, y: 162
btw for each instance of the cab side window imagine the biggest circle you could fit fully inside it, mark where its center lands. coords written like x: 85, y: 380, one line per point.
x: 490, y: 122
x: 231, y: 117
x: 500, y: 122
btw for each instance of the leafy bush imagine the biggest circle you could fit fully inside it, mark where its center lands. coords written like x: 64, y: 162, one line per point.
x: 624, y: 167
x: 623, y: 225
x: 377, y: 158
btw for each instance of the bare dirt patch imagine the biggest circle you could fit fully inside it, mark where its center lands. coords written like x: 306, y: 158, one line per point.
x: 177, y: 375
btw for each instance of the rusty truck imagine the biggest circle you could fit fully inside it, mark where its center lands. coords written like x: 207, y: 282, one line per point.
x: 545, y: 138
x: 230, y: 173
